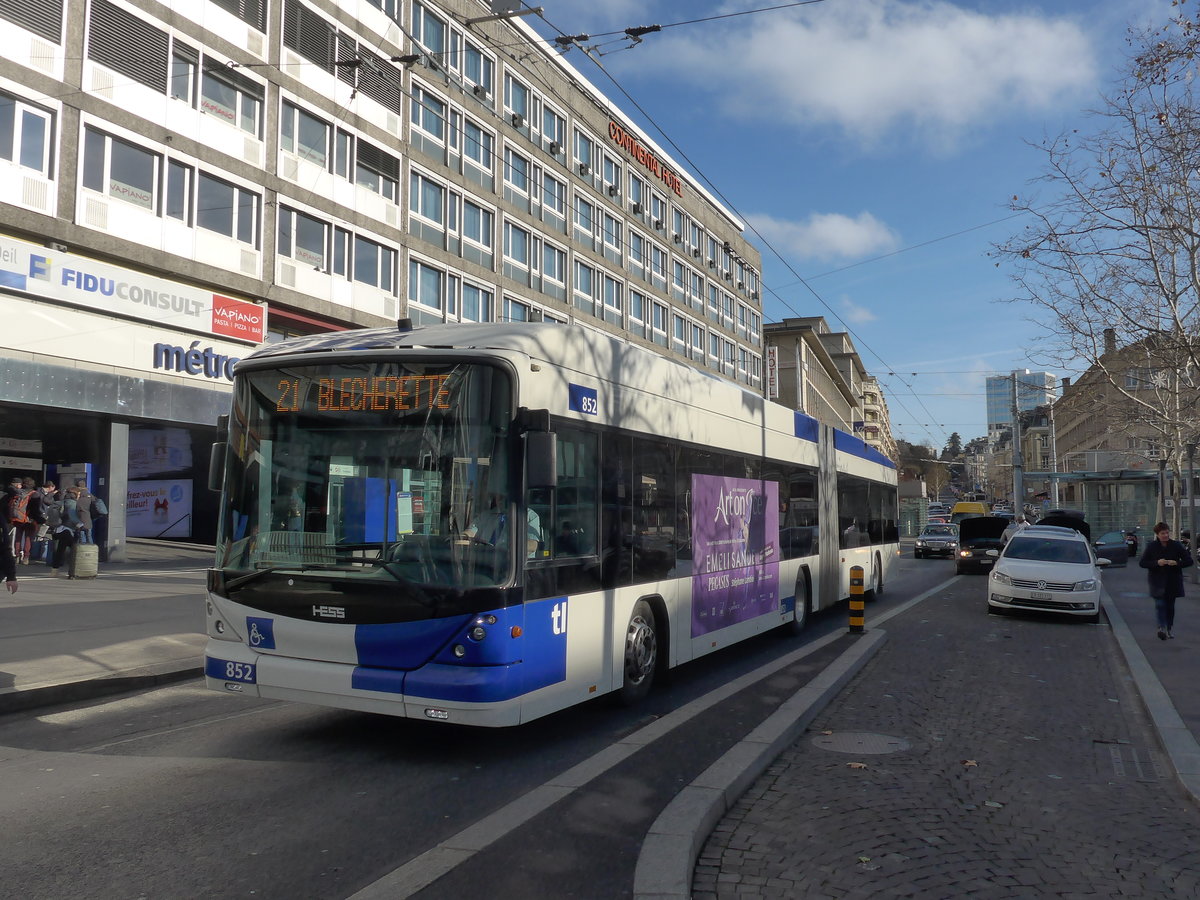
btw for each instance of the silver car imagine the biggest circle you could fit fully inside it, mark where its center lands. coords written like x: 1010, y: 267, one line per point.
x: 936, y: 540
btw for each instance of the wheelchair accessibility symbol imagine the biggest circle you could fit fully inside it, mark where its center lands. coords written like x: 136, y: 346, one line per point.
x: 260, y: 633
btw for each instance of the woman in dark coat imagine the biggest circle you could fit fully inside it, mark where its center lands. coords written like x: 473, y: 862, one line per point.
x: 1165, y: 560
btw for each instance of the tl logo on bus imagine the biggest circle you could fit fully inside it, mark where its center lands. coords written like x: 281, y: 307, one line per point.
x: 558, y: 618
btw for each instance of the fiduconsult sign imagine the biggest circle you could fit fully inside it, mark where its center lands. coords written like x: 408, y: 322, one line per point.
x: 79, y: 281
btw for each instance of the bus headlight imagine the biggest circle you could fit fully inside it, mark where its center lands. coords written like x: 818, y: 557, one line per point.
x: 478, y: 633
x: 460, y: 651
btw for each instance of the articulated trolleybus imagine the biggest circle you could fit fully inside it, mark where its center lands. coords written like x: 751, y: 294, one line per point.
x: 487, y: 523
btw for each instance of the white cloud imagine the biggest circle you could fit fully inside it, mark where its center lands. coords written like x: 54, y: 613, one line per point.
x: 873, y: 68
x: 855, y: 314
x: 826, y: 236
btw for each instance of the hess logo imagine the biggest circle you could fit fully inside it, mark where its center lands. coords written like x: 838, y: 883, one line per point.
x: 329, y: 612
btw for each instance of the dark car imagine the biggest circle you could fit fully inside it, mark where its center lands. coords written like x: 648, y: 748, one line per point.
x: 976, y: 536
x: 1111, y: 545
x: 936, y: 540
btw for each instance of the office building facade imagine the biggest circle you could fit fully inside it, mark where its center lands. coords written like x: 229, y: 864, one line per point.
x: 180, y: 181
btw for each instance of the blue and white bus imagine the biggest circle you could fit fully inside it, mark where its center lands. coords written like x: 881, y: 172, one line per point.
x: 485, y: 524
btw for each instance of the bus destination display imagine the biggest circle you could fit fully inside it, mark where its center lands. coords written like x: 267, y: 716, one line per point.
x: 378, y: 393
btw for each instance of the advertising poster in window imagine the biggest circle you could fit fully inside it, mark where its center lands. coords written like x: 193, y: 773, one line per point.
x: 159, y: 451
x: 159, y: 509
x: 735, y: 557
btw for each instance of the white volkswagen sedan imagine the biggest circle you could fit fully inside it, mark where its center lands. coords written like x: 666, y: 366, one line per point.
x: 1047, y: 568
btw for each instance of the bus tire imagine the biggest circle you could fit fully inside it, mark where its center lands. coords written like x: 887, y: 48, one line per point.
x: 641, y: 655
x: 803, y: 607
x: 876, y: 580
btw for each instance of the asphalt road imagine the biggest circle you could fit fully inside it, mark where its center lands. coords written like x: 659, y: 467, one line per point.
x: 183, y: 792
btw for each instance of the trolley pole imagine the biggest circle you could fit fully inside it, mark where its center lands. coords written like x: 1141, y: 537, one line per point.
x: 857, y: 603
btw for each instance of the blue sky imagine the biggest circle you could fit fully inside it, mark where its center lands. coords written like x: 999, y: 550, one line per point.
x: 874, y: 144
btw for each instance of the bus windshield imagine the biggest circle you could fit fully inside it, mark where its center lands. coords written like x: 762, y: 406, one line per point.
x: 369, y: 471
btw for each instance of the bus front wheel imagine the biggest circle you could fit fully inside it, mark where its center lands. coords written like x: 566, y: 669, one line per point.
x: 641, y: 654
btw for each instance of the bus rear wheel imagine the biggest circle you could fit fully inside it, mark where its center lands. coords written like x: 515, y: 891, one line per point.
x: 641, y: 654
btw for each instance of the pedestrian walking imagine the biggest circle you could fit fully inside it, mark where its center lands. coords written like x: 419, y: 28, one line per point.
x: 84, y: 502
x: 65, y: 534
x: 1165, y: 560
x: 49, y: 507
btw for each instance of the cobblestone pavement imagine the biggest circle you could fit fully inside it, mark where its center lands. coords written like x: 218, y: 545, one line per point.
x: 1031, y: 771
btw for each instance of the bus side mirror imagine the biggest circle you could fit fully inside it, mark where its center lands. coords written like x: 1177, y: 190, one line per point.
x: 541, y: 460
x: 216, y: 466
x: 216, y: 459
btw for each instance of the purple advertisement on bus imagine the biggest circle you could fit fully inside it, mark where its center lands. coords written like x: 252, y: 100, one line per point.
x: 735, y: 552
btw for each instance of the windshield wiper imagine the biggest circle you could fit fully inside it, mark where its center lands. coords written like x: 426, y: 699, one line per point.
x: 259, y: 573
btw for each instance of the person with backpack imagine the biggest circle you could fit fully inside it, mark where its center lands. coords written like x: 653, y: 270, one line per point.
x: 51, y: 501
x: 16, y: 512
x: 28, y: 520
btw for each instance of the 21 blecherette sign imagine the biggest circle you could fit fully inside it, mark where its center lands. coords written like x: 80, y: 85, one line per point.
x: 238, y: 319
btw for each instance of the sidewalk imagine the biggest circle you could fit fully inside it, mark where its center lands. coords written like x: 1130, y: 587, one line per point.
x: 1162, y: 674
x: 137, y: 624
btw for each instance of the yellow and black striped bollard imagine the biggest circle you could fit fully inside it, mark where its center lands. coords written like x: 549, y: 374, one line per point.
x: 857, y: 603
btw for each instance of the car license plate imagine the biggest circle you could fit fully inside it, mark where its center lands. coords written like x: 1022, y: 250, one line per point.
x: 227, y: 670
x: 986, y: 562
x: 1038, y: 595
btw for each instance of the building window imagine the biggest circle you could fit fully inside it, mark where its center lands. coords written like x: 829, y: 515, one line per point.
x: 585, y: 149
x: 377, y: 170
x: 305, y: 135
x: 554, y: 195
x: 428, y: 112
x: 477, y: 224
x: 303, y: 238
x: 516, y: 245
x: 585, y: 215
x: 425, y: 284
x: 185, y: 62
x: 426, y: 198
x: 476, y: 304
x: 429, y: 30
x: 678, y: 334
x: 612, y: 173
x: 637, y: 312
x: 659, y: 324
x: 554, y: 264
x: 178, y: 203
x: 120, y: 169
x: 25, y: 134
x: 515, y: 310
x: 658, y: 265
x: 227, y: 209
x: 612, y: 233
x: 516, y: 97
x: 231, y: 99
x: 478, y: 145
x: 516, y: 171
x: 585, y: 287
x: 478, y: 67
x: 374, y: 264
x: 554, y: 127
x: 637, y: 190
x: 613, y: 293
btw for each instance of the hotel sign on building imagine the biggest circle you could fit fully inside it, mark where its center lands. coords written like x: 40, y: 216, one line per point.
x: 645, y: 157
